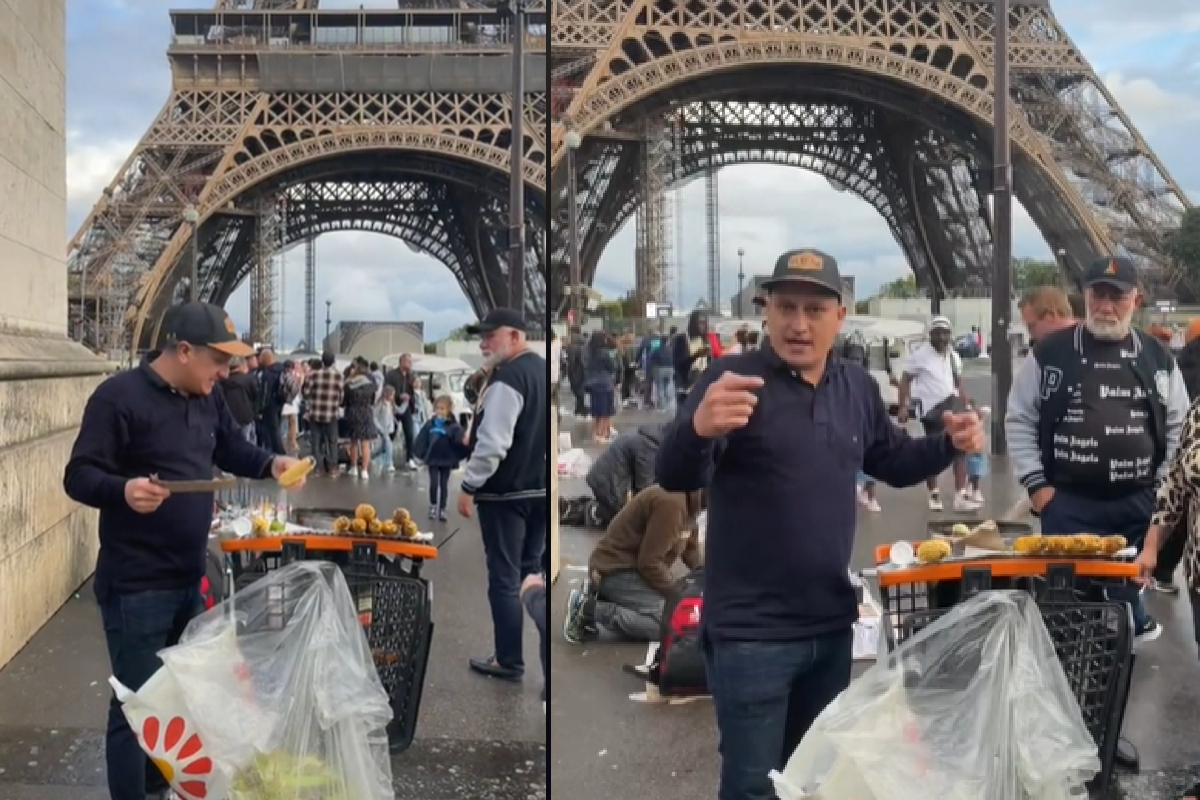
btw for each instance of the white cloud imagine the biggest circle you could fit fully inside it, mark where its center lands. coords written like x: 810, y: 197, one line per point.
x: 91, y: 166
x: 1149, y: 105
x: 768, y: 210
x: 367, y: 277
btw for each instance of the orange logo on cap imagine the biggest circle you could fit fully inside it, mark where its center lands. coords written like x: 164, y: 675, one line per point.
x: 229, y: 326
x: 809, y: 262
x: 1112, y: 268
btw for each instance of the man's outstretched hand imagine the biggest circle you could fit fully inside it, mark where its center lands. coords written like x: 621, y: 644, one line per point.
x: 727, y: 405
x: 966, y: 431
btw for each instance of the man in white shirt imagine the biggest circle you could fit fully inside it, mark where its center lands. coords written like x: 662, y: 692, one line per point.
x: 931, y: 386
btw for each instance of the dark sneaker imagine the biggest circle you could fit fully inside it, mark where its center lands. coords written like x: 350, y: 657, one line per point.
x: 442, y: 514
x: 1167, y: 587
x: 494, y: 669
x: 433, y: 512
x: 1149, y: 631
x: 579, y: 624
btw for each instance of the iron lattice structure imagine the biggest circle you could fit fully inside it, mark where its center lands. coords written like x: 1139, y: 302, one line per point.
x: 290, y: 121
x: 889, y: 99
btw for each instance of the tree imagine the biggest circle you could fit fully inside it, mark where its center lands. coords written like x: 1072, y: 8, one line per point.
x: 611, y: 309
x: 458, y: 334
x: 862, y: 307
x: 1183, y: 244
x: 900, y: 288
x: 1030, y: 273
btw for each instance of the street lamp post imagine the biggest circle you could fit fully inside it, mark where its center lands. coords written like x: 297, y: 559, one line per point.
x: 192, y: 217
x: 741, y: 280
x: 1002, y: 364
x: 573, y: 140
x: 328, y: 319
x: 515, y: 9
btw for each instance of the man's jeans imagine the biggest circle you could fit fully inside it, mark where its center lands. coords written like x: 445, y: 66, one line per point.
x: 630, y: 607
x: 325, y: 442
x: 514, y: 539
x: 767, y: 695
x: 136, y: 627
x: 1127, y: 516
x: 270, y: 432
x: 535, y: 604
x: 664, y: 387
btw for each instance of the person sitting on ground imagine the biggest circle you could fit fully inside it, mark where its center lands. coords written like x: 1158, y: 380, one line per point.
x: 626, y: 467
x: 629, y: 572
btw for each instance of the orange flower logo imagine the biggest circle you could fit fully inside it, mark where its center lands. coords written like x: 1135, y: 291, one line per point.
x: 177, y: 756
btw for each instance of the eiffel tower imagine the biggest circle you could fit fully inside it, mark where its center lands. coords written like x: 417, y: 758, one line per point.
x: 888, y: 99
x: 286, y: 121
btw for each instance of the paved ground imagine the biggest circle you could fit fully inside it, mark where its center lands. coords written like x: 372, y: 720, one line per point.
x: 476, y: 738
x: 605, y: 745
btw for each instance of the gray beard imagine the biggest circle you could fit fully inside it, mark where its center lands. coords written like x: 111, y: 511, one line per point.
x: 1108, y: 331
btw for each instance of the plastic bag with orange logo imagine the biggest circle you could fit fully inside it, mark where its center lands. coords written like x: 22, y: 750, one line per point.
x: 272, y: 694
x: 974, y: 707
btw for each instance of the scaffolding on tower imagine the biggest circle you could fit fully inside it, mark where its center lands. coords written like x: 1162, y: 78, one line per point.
x: 659, y: 153
x: 268, y: 243
x: 712, y: 229
x: 310, y: 293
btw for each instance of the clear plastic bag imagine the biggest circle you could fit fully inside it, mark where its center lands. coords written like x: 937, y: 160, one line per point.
x: 974, y: 707
x: 273, y: 694
x: 574, y: 464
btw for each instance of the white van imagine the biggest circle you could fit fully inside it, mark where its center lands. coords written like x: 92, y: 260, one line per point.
x: 439, y: 376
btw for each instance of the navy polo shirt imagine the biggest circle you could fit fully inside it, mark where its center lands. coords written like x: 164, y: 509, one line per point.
x: 135, y: 425
x: 782, y: 494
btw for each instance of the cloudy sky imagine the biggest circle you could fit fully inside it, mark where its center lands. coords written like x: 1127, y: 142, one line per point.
x: 1147, y: 52
x: 117, y: 81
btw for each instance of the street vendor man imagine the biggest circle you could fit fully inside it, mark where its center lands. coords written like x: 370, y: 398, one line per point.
x: 1094, y: 417
x: 165, y: 420
x: 777, y: 437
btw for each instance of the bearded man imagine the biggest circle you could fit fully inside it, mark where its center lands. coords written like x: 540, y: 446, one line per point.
x: 505, y: 479
x: 1094, y: 418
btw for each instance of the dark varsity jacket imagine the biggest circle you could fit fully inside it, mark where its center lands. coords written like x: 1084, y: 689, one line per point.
x: 511, y: 434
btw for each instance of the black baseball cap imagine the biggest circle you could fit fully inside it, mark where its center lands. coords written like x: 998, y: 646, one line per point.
x: 1116, y: 271
x: 203, y: 325
x: 809, y: 267
x: 498, y: 318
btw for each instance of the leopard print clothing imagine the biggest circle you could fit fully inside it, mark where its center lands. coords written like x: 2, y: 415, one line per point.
x: 1179, y: 492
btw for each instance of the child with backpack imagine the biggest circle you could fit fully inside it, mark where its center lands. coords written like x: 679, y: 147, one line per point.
x: 439, y: 446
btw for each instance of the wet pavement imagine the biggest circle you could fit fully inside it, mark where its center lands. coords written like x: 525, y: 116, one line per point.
x: 605, y: 745
x: 477, y: 738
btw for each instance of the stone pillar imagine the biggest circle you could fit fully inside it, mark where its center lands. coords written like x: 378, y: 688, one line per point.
x: 555, y: 553
x: 47, y: 543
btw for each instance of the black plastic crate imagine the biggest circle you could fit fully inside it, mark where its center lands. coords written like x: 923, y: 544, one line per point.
x: 396, y: 610
x: 1093, y: 641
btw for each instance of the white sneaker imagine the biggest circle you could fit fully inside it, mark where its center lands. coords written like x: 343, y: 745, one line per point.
x: 873, y: 505
x: 410, y: 464
x: 391, y: 469
x: 935, y: 501
x: 963, y: 501
x: 977, y: 496
x: 364, y: 474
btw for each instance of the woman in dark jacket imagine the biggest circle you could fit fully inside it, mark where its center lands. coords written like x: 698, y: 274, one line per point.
x: 602, y: 371
x: 694, y: 351
x: 360, y: 419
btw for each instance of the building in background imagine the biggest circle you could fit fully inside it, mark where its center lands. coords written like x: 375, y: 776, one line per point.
x: 374, y: 340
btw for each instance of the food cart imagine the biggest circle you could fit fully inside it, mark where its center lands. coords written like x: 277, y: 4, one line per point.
x: 394, y: 601
x: 1092, y: 636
